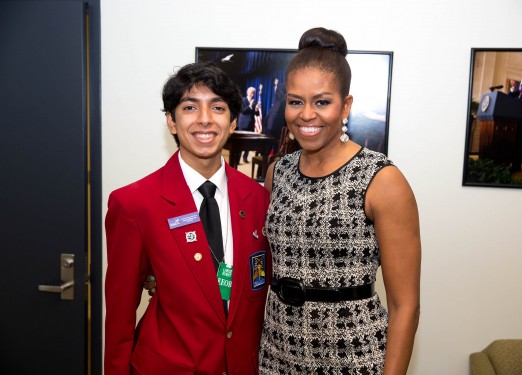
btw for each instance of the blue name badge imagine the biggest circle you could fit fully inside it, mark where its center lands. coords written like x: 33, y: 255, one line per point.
x: 181, y: 221
x: 257, y: 270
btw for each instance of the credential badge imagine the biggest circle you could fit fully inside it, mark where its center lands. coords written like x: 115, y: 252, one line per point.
x: 191, y: 236
x: 258, y: 270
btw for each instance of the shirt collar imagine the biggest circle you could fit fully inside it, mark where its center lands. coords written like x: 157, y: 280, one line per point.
x: 194, y: 179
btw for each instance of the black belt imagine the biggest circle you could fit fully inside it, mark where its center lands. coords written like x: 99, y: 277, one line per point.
x: 293, y: 292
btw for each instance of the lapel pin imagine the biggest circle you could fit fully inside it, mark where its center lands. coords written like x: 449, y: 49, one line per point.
x: 198, y: 257
x: 255, y: 234
x: 242, y: 214
x: 191, y: 236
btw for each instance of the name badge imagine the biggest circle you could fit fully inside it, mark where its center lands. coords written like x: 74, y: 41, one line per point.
x: 181, y: 221
x: 224, y: 276
x: 257, y: 270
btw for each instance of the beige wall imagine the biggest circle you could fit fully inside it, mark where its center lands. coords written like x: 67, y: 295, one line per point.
x: 472, y: 251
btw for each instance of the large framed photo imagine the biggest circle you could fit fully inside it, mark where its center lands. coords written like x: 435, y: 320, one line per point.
x: 493, y: 150
x: 264, y: 70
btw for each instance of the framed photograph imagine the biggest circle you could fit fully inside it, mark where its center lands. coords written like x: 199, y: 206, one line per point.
x: 493, y: 150
x: 265, y: 69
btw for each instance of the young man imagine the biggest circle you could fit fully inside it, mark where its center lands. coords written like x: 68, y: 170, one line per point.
x: 206, y: 314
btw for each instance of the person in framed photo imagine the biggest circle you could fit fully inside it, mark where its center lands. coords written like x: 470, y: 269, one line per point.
x: 197, y: 226
x: 274, y: 121
x: 513, y: 89
x: 338, y: 212
x: 249, y: 111
x: 246, y: 118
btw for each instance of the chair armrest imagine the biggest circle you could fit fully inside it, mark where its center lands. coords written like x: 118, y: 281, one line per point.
x: 480, y: 364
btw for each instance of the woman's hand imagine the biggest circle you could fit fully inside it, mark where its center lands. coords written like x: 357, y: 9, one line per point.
x: 150, y: 285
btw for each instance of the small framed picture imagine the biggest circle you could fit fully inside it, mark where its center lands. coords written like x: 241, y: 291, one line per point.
x: 493, y: 150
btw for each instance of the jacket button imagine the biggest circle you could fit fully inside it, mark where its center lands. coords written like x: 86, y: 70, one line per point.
x: 229, y: 334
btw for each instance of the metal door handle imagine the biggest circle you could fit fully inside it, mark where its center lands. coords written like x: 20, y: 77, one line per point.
x: 66, y: 289
x: 55, y: 288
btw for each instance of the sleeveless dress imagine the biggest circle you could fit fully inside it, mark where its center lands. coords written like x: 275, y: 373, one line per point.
x: 318, y: 233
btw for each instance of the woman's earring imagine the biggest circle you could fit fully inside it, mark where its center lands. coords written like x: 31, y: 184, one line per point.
x: 344, y: 137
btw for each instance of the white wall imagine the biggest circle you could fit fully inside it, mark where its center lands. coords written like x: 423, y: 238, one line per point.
x: 472, y: 252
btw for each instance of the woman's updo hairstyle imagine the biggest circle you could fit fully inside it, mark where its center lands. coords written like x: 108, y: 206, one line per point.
x: 325, y: 50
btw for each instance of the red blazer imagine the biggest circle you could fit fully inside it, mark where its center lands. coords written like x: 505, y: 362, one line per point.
x: 184, y: 329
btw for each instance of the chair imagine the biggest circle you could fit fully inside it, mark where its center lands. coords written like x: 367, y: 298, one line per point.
x: 501, y: 357
x: 256, y: 160
x: 286, y: 145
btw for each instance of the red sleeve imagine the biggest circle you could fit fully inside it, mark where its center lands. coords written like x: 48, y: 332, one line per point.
x: 127, y: 268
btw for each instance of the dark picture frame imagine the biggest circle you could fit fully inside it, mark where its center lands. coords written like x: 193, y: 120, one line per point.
x: 371, y: 85
x: 493, y: 149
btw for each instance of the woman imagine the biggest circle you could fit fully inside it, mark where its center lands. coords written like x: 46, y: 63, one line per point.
x: 337, y: 212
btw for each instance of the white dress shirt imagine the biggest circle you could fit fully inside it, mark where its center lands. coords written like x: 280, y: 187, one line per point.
x: 194, y: 180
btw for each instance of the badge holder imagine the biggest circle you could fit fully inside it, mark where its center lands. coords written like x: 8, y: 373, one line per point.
x: 224, y: 276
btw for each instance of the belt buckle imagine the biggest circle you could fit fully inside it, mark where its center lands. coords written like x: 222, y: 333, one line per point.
x: 297, y: 297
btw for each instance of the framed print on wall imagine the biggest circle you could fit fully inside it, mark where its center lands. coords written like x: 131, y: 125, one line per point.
x: 265, y: 69
x: 493, y: 150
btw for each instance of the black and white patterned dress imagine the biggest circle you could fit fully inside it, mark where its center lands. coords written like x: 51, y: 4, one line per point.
x: 319, y: 233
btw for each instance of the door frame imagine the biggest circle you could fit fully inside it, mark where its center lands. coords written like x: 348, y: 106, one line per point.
x: 94, y: 363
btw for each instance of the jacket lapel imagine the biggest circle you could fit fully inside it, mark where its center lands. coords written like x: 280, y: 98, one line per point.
x: 191, y: 239
x: 241, y: 228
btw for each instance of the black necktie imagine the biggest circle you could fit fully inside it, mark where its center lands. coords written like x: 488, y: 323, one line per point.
x: 209, y: 214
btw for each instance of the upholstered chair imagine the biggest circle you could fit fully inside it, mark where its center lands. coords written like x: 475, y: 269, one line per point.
x: 501, y: 357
